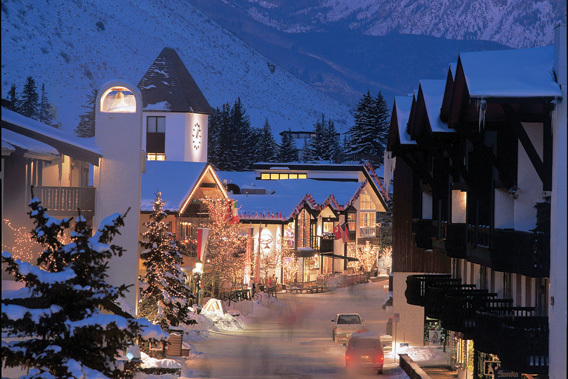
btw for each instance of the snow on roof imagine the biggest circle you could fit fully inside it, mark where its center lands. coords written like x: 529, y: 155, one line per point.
x: 26, y: 143
x: 175, y: 180
x: 453, y: 68
x: 287, y: 193
x: 510, y: 73
x: 433, y: 92
x: 403, y: 105
x: 65, y: 143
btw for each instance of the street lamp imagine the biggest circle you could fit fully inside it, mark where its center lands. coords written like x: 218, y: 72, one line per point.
x: 197, y: 272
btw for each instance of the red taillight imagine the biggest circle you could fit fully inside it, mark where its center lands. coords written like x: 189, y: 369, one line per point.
x: 380, y: 359
x: 347, y: 357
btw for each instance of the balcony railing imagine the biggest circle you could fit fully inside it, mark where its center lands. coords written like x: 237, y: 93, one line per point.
x: 479, y: 235
x: 456, y: 240
x: 423, y: 232
x: 435, y: 295
x: 459, y: 309
x: 65, y: 201
x: 326, y: 245
x: 487, y: 334
x: 519, y: 252
x: 416, y: 286
x: 524, y: 344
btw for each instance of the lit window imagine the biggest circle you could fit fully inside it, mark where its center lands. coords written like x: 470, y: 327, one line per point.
x: 367, y: 224
x: 302, y: 176
x: 264, y: 176
x: 118, y: 100
x: 366, y: 203
x: 293, y: 176
x: 283, y: 176
x: 156, y: 157
x: 274, y: 176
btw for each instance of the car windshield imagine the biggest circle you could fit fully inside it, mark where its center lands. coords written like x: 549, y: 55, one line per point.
x: 349, y: 319
x: 365, y: 343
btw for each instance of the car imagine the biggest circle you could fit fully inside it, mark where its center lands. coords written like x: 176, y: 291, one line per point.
x: 345, y: 324
x: 364, y: 350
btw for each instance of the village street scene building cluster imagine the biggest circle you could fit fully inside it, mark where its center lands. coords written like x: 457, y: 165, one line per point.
x: 461, y: 219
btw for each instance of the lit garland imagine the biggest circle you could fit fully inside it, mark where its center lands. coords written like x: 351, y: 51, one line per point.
x: 24, y: 247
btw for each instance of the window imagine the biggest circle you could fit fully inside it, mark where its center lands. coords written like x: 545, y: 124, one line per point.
x: 367, y: 224
x: 277, y: 176
x: 156, y: 157
x: 352, y: 225
x: 156, y: 135
x: 118, y: 100
x: 303, y: 221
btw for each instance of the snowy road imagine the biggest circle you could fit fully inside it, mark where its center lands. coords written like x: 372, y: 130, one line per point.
x: 292, y: 339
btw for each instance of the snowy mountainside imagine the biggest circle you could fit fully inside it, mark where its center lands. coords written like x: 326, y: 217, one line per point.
x: 514, y: 23
x: 74, y: 46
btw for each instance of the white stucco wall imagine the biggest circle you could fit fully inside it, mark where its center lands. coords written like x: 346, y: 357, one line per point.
x: 504, y: 210
x: 558, y: 245
x: 410, y: 329
x: 529, y: 182
x: 117, y: 178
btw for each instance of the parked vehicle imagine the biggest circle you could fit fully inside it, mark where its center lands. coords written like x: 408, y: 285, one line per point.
x: 364, y: 350
x: 345, y: 324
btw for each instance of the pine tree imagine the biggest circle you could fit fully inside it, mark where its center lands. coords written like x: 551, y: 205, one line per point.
x: 287, y: 151
x: 86, y: 126
x: 14, y: 101
x: 45, y: 110
x: 361, y: 135
x: 317, y: 143
x: 61, y: 331
x: 382, y: 124
x: 331, y: 143
x: 164, y: 293
x: 29, y: 105
x: 306, y: 153
x: 266, y: 151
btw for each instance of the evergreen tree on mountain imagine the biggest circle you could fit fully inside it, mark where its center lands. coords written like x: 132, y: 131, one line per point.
x: 29, y: 104
x: 217, y: 124
x: 164, y: 294
x: 361, y: 134
x: 382, y: 125
x: 86, y: 126
x: 59, y: 327
x: 331, y: 141
x: 306, y: 154
x: 13, y: 98
x: 266, y: 150
x: 287, y: 151
x: 45, y: 110
x: 317, y: 142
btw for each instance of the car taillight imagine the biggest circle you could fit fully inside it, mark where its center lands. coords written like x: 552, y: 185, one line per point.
x: 380, y: 359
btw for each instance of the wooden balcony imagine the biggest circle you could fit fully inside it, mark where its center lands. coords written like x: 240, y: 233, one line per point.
x: 456, y: 241
x: 66, y: 201
x: 523, y: 346
x: 326, y: 245
x: 488, y: 333
x: 519, y: 252
x: 435, y: 295
x: 423, y: 230
x: 459, y: 309
x: 416, y: 286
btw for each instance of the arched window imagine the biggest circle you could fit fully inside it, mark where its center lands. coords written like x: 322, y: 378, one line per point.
x: 118, y: 100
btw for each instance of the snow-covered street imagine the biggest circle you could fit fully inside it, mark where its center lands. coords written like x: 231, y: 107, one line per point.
x: 292, y: 338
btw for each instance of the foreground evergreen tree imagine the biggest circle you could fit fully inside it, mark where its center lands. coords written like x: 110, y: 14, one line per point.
x: 60, y: 328
x: 381, y: 125
x: 287, y: 151
x: 266, y: 150
x: 86, y: 126
x: 361, y: 134
x: 29, y: 105
x: 164, y: 294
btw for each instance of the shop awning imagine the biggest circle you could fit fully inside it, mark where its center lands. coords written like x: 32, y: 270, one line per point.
x: 305, y: 252
x: 350, y: 259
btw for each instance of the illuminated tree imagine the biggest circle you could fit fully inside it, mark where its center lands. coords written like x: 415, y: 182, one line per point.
x: 58, y: 329
x: 225, y: 245
x: 367, y: 256
x: 164, y: 294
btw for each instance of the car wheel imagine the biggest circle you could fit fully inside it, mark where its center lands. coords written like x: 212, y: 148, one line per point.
x: 379, y: 371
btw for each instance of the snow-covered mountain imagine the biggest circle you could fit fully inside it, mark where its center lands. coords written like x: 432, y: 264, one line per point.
x: 75, y: 45
x: 514, y: 23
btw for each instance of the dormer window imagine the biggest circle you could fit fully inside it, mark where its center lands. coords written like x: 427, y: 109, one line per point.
x: 118, y: 100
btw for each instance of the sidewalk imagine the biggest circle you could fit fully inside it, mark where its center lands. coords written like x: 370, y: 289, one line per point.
x: 440, y: 372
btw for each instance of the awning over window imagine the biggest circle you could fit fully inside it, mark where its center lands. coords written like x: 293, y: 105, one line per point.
x: 350, y: 259
x: 305, y: 252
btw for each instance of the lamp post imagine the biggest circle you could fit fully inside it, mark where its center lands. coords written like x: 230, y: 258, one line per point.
x: 197, y: 272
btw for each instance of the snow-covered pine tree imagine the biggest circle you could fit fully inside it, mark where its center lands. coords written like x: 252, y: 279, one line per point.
x: 331, y: 141
x: 306, y: 154
x: 361, y: 134
x: 287, y: 151
x: 45, y: 111
x: 317, y: 143
x: 382, y: 125
x: 29, y: 105
x: 56, y: 328
x: 13, y: 98
x: 86, y: 126
x: 266, y: 145
x: 164, y: 294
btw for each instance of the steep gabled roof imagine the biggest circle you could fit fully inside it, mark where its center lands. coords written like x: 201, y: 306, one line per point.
x: 168, y: 86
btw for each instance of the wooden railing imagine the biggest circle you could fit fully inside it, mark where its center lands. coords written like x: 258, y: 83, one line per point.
x: 65, y: 201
